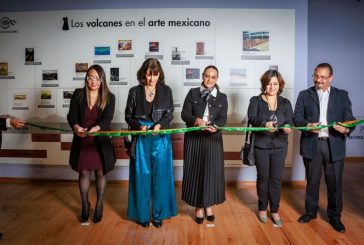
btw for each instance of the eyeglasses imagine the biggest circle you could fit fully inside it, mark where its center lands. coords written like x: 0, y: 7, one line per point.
x: 208, y: 76
x: 91, y: 79
x: 316, y: 77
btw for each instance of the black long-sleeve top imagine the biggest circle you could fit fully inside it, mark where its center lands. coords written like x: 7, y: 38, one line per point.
x: 259, y: 114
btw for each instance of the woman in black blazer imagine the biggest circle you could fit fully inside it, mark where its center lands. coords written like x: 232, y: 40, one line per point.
x: 270, y: 110
x: 91, y: 110
x: 203, y: 183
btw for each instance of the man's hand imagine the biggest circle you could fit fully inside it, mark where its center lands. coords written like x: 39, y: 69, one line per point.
x: 341, y: 129
x: 316, y: 131
x: 16, y: 122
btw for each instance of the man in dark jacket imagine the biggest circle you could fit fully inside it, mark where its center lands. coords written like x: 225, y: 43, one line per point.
x: 7, y: 123
x: 325, y: 148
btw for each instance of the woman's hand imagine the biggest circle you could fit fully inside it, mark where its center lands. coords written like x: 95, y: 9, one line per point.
x: 199, y: 122
x: 211, y: 129
x: 287, y: 130
x: 270, y: 124
x: 80, y: 131
x: 143, y: 128
x: 94, y: 129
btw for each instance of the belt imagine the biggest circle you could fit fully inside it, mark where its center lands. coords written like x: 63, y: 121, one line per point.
x: 323, y: 138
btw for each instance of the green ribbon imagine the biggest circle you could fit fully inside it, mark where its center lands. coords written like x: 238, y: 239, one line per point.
x: 349, y: 124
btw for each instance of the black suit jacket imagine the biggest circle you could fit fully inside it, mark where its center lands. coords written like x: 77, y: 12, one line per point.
x: 259, y: 114
x: 162, y: 112
x: 307, y: 110
x: 2, y: 127
x: 104, y: 144
x: 194, y: 107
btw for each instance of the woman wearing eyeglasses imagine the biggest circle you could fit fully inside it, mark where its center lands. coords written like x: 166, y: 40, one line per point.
x: 270, y: 110
x: 203, y: 182
x: 151, y: 182
x: 91, y: 110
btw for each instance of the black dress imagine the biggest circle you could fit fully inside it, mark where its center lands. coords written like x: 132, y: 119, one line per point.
x: 203, y: 182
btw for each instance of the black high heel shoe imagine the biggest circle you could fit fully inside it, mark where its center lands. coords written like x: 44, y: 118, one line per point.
x: 210, y: 218
x: 98, y: 214
x: 85, y: 214
x: 199, y: 220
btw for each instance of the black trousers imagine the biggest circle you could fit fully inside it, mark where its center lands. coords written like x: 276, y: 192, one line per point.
x: 333, y: 178
x: 269, y: 163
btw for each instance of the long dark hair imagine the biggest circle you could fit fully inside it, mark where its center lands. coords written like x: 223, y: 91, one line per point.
x: 154, y: 66
x: 104, y: 91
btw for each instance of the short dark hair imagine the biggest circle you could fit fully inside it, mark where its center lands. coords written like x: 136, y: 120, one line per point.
x: 267, y: 76
x: 325, y: 65
x: 152, y: 65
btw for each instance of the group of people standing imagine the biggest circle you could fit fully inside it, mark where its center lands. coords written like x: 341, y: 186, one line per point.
x: 150, y: 107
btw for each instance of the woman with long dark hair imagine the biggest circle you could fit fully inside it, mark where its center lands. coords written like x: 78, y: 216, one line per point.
x: 91, y: 110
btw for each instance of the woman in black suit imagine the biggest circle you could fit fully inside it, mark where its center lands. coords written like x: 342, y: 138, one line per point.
x: 203, y: 182
x: 270, y: 110
x: 91, y: 110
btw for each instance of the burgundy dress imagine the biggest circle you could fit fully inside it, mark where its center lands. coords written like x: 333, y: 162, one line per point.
x: 89, y: 155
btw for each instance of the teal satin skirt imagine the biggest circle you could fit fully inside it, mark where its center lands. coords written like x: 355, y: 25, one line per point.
x: 151, y: 181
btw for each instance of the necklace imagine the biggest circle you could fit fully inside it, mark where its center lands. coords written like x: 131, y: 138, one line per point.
x: 273, y: 117
x: 151, y: 91
x: 274, y: 106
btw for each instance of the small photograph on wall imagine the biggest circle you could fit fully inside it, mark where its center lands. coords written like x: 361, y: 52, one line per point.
x: 200, y: 48
x: 192, y: 73
x: 256, y: 41
x: 20, y: 101
x: 237, y: 77
x: 176, y: 55
x: 102, y: 50
x: 29, y: 54
x: 205, y: 50
x: 81, y: 67
x: 67, y: 94
x: 46, y: 95
x: 32, y: 56
x: 50, y: 75
x: 153, y: 47
x: 46, y: 99
x: 114, y: 74
x: 4, y: 68
x: 180, y: 55
x: 125, y: 45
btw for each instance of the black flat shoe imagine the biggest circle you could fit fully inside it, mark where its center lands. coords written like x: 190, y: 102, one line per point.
x: 85, y: 214
x: 144, y: 224
x: 306, y: 218
x: 210, y: 218
x: 337, y: 225
x: 199, y: 220
x: 157, y: 223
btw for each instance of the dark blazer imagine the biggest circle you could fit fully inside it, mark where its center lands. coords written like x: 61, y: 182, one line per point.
x: 104, y: 144
x: 2, y: 128
x: 259, y: 115
x: 307, y: 110
x: 162, y: 112
x: 194, y: 107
